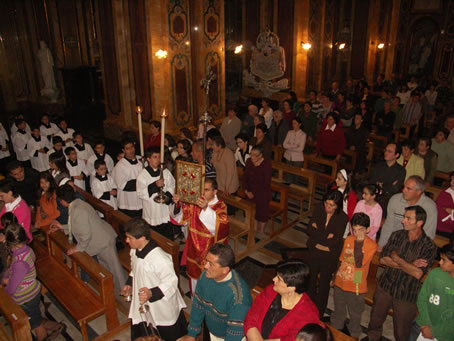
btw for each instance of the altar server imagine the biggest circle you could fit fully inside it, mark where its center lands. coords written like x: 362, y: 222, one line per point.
x: 37, y: 150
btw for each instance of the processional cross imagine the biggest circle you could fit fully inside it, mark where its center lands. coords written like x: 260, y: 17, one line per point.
x: 205, y: 119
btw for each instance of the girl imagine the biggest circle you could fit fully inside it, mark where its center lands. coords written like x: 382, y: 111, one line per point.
x: 58, y: 169
x: 243, y: 152
x: 47, y: 210
x: 370, y: 207
x: 344, y: 185
x: 184, y: 149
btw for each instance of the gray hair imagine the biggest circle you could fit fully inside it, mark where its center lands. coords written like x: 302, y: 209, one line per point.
x: 278, y: 112
x: 254, y: 108
x: 420, y: 184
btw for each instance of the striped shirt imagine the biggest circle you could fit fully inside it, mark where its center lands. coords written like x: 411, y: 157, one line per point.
x: 400, y: 285
x: 22, y: 285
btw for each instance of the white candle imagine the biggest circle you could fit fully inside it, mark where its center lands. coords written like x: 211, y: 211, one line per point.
x: 139, y: 118
x: 163, y: 132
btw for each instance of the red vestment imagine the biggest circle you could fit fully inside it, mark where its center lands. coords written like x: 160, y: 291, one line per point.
x: 199, y: 237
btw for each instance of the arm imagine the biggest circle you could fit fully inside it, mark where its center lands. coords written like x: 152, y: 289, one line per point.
x: 235, y: 320
x: 409, y: 268
x: 387, y: 227
x: 430, y: 227
x: 51, y: 211
x: 254, y: 318
x: 18, y: 269
x: 197, y: 311
x: 423, y: 302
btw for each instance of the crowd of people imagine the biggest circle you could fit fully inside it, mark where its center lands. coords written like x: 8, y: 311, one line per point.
x: 382, y: 209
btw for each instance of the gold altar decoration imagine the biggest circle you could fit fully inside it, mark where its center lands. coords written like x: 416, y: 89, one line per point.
x: 190, y: 179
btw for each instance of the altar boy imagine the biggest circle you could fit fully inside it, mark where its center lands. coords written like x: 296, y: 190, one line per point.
x: 37, y: 150
x: 103, y: 185
x: 76, y: 167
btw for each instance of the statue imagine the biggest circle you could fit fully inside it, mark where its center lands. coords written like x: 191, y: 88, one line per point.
x: 47, y: 71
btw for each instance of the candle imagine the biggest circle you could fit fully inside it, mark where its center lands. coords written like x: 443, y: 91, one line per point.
x: 163, y: 132
x: 139, y: 110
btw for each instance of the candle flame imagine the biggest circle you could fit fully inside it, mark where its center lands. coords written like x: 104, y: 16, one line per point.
x: 164, y: 114
x: 139, y: 109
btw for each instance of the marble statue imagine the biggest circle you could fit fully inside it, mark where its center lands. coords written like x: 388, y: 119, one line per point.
x: 47, y: 71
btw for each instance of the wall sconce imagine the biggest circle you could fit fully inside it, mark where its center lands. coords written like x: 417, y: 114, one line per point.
x: 341, y: 46
x: 305, y: 46
x: 238, y: 49
x: 161, y: 54
x: 380, y: 46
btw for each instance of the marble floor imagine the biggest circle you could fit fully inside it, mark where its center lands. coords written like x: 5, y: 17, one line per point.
x: 251, y: 266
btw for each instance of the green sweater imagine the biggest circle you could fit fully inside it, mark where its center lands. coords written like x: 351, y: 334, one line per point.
x: 223, y: 306
x: 436, y: 305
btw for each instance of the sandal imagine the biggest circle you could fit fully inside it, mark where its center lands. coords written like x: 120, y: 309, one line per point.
x: 61, y: 328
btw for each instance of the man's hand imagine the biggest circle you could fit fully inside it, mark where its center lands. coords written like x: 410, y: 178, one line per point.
x: 420, y: 263
x: 330, y: 236
x: 113, y: 192
x: 448, y: 210
x: 160, y: 183
x: 426, y: 332
x: 71, y: 251
x: 144, y: 295
x: 249, y: 195
x: 395, y: 257
x: 202, y: 203
x: 176, y: 199
x: 322, y: 247
x: 126, y: 290
x: 186, y: 338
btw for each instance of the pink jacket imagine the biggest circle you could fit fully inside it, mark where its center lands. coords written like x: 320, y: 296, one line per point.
x: 22, y: 213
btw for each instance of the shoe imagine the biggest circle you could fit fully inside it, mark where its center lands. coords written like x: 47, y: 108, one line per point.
x: 57, y: 331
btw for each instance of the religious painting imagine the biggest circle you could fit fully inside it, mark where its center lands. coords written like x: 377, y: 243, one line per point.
x: 181, y: 89
x: 190, y: 179
x: 267, y: 65
x: 211, y: 21
x: 212, y: 64
x: 421, y: 51
x: 426, y: 6
x: 178, y: 21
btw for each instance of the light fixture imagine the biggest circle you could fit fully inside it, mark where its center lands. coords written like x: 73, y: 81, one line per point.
x: 196, y: 28
x: 341, y: 46
x: 238, y: 49
x: 187, y: 43
x: 380, y: 46
x: 305, y: 46
x: 161, y: 54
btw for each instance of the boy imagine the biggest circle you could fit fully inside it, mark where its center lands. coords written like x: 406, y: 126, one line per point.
x: 57, y: 143
x: 84, y: 150
x: 436, y: 301
x: 37, y: 150
x: 14, y: 127
x: 149, y: 183
x: 47, y: 129
x: 65, y: 133
x: 351, y: 277
x: 76, y: 167
x: 99, y: 155
x: 20, y: 140
x: 103, y: 185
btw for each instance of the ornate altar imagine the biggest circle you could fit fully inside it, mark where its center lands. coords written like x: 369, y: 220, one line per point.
x: 190, y: 179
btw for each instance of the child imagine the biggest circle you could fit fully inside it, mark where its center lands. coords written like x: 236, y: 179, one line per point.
x: 37, y: 150
x: 14, y: 127
x: 99, y: 154
x: 351, y: 277
x: 47, y: 129
x: 76, y: 167
x: 314, y: 332
x: 373, y: 209
x: 65, y: 133
x: 436, y: 301
x: 47, y: 210
x: 103, y: 185
x: 20, y: 140
x: 57, y: 143
x: 84, y: 150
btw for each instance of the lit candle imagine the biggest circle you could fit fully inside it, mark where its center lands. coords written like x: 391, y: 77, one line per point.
x: 139, y: 110
x: 163, y: 132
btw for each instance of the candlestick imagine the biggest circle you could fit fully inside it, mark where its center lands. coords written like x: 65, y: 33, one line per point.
x: 163, y: 132
x: 139, y: 110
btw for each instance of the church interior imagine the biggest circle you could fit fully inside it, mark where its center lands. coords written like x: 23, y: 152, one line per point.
x: 119, y: 68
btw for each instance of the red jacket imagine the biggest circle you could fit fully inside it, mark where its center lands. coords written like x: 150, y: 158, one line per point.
x: 286, y: 329
x: 352, y: 200
x: 152, y: 141
x: 331, y: 142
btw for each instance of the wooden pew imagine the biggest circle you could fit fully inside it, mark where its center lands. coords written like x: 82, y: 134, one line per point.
x: 444, y: 177
x: 370, y: 156
x: 433, y: 192
x: 16, y: 318
x: 278, y: 153
x: 238, y: 227
x: 297, y: 192
x: 318, y: 165
x: 62, y: 279
x: 348, y: 160
x: 380, y: 143
x: 404, y: 132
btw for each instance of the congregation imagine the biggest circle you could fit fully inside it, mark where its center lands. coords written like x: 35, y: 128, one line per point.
x: 381, y: 209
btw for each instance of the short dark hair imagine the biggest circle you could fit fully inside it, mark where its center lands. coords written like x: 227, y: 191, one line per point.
x: 408, y: 143
x: 427, y: 140
x: 57, y: 139
x: 314, y: 332
x: 76, y: 133
x: 219, y: 141
x: 295, y: 273
x: 225, y: 254
x: 100, y: 141
x: 398, y: 148
x: 186, y: 145
x: 243, y: 137
x: 68, y: 150
x: 420, y: 212
x: 213, y: 182
x: 258, y: 148
x: 444, y: 131
x: 127, y: 140
x: 170, y: 140
x: 186, y: 132
x: 297, y: 119
x: 138, y: 227
x: 334, y: 115
x: 262, y: 127
x: 212, y: 133
x: 59, y: 160
x: 7, y: 186
x: 156, y: 124
x: 66, y: 193
x: 447, y: 250
x: 99, y: 163
x: 335, y: 196
x: 8, y: 218
x: 152, y: 150
x: 13, y: 165
x: 361, y: 219
x: 18, y: 121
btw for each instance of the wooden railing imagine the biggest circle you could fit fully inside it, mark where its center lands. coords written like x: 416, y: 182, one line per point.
x: 16, y: 318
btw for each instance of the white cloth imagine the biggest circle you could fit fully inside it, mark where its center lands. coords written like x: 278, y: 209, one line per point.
x: 65, y: 136
x: 76, y: 171
x: 155, y: 270
x: 46, y: 131
x: 14, y: 129
x: 40, y: 162
x: 85, y: 154
x: 431, y: 97
x: 422, y: 338
x: 98, y: 188
x: 268, y: 116
x: 294, y: 145
x: 9, y: 207
x: 122, y: 173
x: 20, y: 141
x: 239, y: 157
x: 331, y: 128
x: 91, y: 163
x: 4, y: 139
x: 153, y: 212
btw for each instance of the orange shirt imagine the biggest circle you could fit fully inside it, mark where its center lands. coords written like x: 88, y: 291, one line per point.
x: 345, y: 276
x: 47, y: 210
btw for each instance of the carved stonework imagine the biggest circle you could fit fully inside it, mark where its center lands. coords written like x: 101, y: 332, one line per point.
x: 181, y: 89
x: 178, y: 21
x: 213, y: 60
x: 211, y: 20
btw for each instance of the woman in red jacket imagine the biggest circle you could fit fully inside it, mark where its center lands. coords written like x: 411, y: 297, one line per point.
x: 344, y: 185
x: 331, y: 140
x: 284, y: 307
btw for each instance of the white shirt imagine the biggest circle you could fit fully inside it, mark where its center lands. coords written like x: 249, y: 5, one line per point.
x: 20, y: 141
x: 40, y: 162
x: 91, y: 163
x: 4, y: 139
x: 14, y: 129
x: 123, y: 172
x: 268, y: 116
x: 84, y: 154
x: 77, y: 169
x: 294, y: 145
x: 100, y: 185
x: 331, y: 128
x: 49, y: 130
x: 65, y: 136
x: 153, y: 212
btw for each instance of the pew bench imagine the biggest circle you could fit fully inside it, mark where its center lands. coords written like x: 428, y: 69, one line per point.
x: 319, y: 165
x: 298, y: 192
x: 61, y: 277
x: 16, y: 318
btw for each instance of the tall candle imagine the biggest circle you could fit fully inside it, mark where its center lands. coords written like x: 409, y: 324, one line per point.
x: 163, y: 132
x: 139, y: 110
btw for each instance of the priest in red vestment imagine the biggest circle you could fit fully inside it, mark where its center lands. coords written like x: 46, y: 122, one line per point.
x: 207, y: 223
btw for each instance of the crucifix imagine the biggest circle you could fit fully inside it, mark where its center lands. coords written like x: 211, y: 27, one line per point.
x: 205, y: 119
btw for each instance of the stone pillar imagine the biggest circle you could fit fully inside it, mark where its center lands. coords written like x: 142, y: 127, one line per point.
x: 301, y: 34
x: 391, y: 43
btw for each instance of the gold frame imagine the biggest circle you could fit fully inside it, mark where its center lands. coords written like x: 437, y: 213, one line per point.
x: 190, y: 179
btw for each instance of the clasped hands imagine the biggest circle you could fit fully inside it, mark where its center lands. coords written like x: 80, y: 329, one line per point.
x: 201, y: 202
